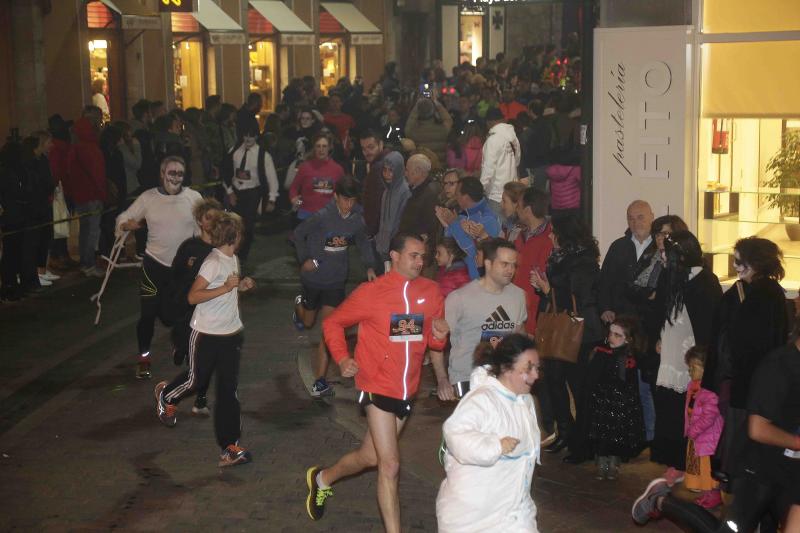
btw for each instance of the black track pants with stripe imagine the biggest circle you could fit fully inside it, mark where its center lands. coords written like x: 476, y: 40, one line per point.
x: 209, y: 354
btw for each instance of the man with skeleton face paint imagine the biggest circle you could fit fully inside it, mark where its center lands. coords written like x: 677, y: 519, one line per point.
x: 249, y: 174
x: 167, y: 211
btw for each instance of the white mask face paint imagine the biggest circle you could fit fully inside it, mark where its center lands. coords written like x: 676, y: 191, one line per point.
x: 249, y: 142
x: 743, y: 271
x: 173, y: 178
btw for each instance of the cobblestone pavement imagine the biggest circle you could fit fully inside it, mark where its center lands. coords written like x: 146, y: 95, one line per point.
x: 82, y: 449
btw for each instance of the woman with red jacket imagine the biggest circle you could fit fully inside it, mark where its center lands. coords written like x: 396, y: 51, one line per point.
x: 86, y: 187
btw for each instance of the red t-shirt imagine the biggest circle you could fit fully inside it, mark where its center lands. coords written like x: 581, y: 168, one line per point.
x: 315, y: 182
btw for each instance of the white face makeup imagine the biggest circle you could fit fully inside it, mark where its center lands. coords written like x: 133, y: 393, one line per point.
x: 744, y: 271
x: 616, y: 336
x: 173, y: 177
x: 249, y: 142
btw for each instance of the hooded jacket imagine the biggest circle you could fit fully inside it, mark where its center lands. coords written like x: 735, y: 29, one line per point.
x: 501, y: 156
x: 474, y: 459
x: 393, y: 201
x: 326, y: 237
x: 387, y: 367
x: 86, y: 172
x: 481, y: 213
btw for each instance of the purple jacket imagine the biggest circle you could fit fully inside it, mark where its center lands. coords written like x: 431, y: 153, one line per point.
x: 705, y: 425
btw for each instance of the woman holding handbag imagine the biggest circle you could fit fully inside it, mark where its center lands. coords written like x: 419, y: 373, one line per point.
x: 570, y: 283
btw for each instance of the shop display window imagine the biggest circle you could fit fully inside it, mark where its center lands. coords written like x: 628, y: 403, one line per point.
x: 333, y: 60
x: 748, y: 151
x: 187, y: 60
x: 470, y: 41
x: 262, y: 72
x: 735, y: 16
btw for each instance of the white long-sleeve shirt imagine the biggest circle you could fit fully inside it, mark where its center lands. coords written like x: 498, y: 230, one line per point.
x: 486, y: 491
x: 501, y: 156
x: 169, y: 220
x: 247, y: 177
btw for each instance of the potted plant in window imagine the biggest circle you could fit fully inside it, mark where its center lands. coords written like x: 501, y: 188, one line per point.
x: 785, y: 168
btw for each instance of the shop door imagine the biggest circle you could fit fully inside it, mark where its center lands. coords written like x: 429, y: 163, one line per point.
x: 333, y: 62
x: 107, y: 89
x: 263, y: 75
x: 188, y: 64
x: 470, y: 41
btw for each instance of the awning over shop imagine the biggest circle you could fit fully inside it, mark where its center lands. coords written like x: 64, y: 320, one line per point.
x: 292, y: 29
x: 134, y: 15
x: 222, y: 29
x: 361, y: 30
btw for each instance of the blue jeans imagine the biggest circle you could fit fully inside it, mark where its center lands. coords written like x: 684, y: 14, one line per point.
x: 648, y: 408
x: 89, y: 235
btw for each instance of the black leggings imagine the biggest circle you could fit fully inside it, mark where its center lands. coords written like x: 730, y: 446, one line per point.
x: 153, y: 295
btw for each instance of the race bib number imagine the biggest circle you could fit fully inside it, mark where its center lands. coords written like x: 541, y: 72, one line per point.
x: 322, y: 185
x: 337, y: 243
x: 406, y: 327
x: 243, y: 175
x: 493, y: 337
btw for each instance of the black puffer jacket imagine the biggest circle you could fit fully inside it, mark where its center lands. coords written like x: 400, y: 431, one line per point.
x: 576, y: 272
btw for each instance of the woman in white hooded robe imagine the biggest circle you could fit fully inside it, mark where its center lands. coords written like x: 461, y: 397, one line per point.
x: 492, y: 445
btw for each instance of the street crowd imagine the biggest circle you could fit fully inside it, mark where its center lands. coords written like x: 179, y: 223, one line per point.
x: 462, y: 194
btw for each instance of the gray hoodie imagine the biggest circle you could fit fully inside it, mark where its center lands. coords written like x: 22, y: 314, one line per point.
x: 393, y: 202
x: 326, y: 236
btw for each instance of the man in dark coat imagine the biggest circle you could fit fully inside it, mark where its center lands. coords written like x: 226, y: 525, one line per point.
x: 419, y: 215
x: 620, y: 261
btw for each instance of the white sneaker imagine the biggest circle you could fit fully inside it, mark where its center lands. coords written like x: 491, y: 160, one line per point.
x: 49, y: 276
x: 44, y: 282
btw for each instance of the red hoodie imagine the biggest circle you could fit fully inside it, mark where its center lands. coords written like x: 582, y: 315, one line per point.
x: 387, y: 367
x: 86, y: 168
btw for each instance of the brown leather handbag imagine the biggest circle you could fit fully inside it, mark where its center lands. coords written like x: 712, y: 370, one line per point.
x: 559, y: 334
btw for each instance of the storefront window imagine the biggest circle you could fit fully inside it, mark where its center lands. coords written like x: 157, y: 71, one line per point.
x: 729, y: 16
x: 333, y: 60
x: 262, y: 72
x: 746, y: 125
x: 470, y: 43
x: 188, y: 63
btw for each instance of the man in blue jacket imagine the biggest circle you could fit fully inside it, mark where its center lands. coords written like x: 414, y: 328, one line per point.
x: 476, y: 218
x: 322, y: 242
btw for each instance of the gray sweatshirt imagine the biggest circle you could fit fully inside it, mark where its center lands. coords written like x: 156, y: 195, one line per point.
x: 326, y: 236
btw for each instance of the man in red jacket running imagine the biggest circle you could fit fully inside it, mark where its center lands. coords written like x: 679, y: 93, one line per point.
x: 399, y: 316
